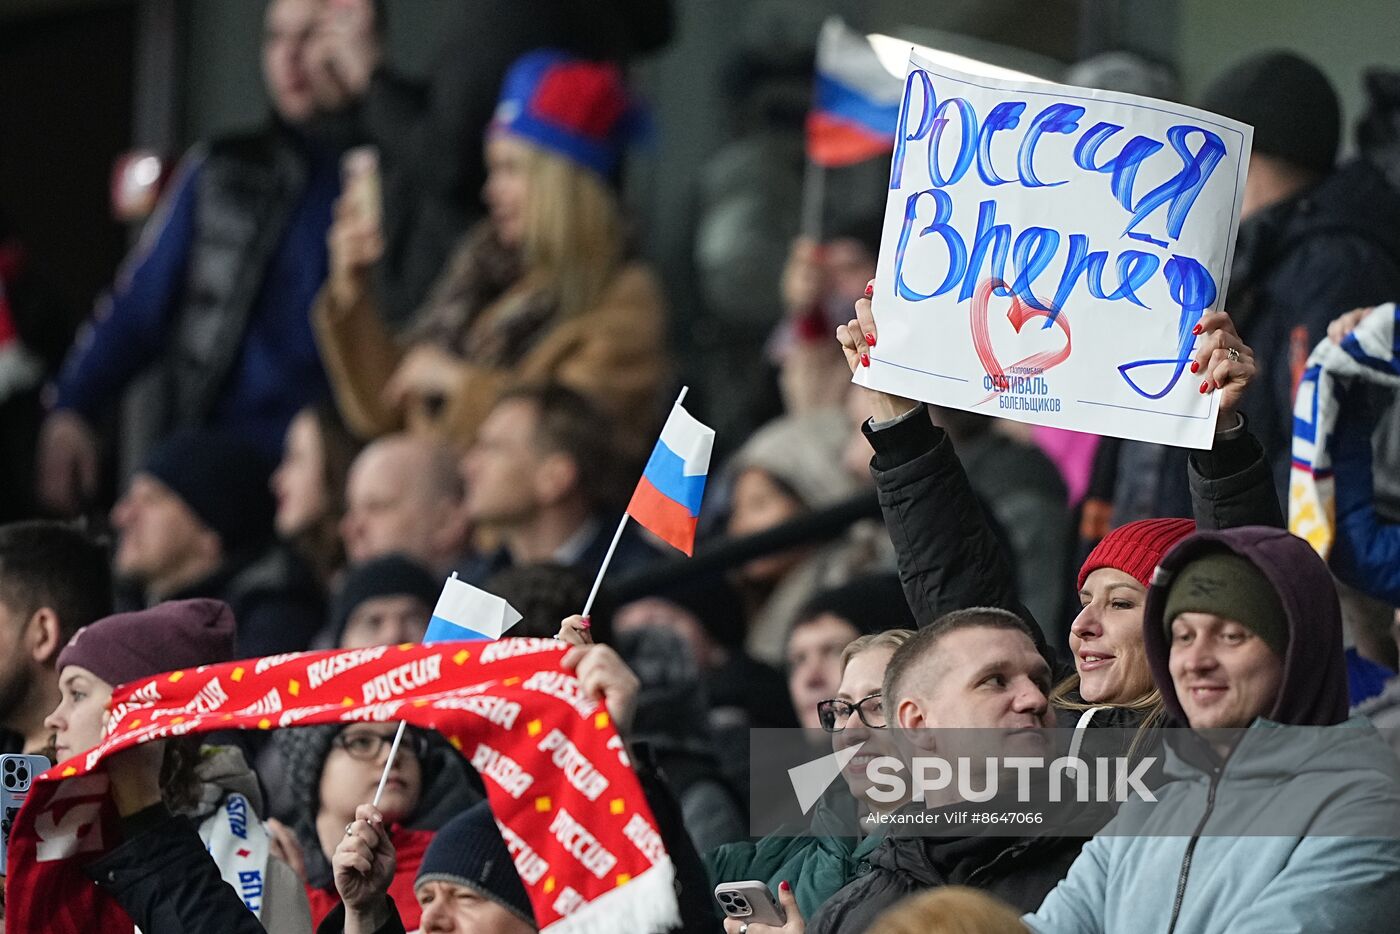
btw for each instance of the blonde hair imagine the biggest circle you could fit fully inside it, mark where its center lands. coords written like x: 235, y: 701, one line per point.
x: 573, y: 239
x: 889, y: 639
x: 1151, y: 704
x: 949, y: 909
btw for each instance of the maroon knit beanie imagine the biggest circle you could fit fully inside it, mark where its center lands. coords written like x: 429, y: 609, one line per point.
x: 1136, y: 548
x: 171, y: 635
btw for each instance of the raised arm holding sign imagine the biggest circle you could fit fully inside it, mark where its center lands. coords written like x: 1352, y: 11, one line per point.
x: 1049, y: 253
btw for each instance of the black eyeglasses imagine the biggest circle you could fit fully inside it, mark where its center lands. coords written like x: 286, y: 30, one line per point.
x: 366, y: 746
x: 870, y: 708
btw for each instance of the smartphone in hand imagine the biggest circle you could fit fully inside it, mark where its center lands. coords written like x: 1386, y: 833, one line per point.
x: 750, y: 901
x: 359, y: 175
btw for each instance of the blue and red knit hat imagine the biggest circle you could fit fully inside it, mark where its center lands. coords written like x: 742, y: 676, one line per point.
x: 571, y: 106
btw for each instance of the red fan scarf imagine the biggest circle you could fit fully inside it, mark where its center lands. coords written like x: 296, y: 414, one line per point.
x: 584, y: 841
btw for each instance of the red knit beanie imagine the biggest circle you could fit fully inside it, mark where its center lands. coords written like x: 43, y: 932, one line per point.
x: 171, y: 635
x: 1136, y: 548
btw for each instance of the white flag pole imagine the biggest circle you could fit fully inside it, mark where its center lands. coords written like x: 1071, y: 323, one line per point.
x: 393, y: 754
x: 617, y: 537
x: 813, y: 194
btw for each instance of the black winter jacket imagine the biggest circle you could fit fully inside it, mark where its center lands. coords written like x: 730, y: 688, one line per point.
x: 1298, y: 265
x: 948, y: 557
x: 164, y: 878
x: 1018, y: 870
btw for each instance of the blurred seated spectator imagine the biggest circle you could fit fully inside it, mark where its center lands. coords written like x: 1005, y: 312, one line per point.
x: 309, y: 485
x: 741, y: 694
x: 829, y: 622
x: 385, y: 601
x: 1315, y: 239
x: 544, y: 289
x: 210, y: 785
x: 544, y: 593
x: 1369, y: 646
x: 790, y: 467
x: 545, y: 476
x: 1383, y: 710
x: 331, y: 770
x: 196, y: 521
x: 465, y: 881
x: 218, y: 291
x: 820, y: 283
x: 672, y: 718
x: 53, y: 581
x: 949, y: 909
x: 405, y: 495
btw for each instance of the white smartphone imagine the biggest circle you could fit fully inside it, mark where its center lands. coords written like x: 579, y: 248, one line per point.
x: 359, y: 169
x: 750, y: 901
x: 17, y: 774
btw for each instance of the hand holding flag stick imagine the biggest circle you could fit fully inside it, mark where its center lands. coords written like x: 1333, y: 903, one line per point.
x: 855, y: 108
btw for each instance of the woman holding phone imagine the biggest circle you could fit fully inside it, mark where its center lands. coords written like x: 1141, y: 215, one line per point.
x: 544, y: 289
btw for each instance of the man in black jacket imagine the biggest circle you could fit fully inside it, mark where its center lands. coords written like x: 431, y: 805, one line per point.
x: 1314, y: 242
x: 216, y: 296
x: 196, y: 521
x: 979, y: 669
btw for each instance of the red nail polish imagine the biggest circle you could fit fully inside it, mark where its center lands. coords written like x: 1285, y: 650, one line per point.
x: 865, y: 359
x: 586, y: 623
x: 1195, y: 366
x: 784, y: 886
x: 1196, y: 329
x: 870, y: 290
x: 1203, y: 386
x: 870, y: 339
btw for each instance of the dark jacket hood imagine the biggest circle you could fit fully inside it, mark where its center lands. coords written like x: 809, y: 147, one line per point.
x: 1356, y: 200
x: 1314, y: 687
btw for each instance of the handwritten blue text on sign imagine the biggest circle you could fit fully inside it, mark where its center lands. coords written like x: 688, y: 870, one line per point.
x: 1114, y: 211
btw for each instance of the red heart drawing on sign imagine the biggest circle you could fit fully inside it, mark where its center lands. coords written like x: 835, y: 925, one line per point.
x: 1018, y: 314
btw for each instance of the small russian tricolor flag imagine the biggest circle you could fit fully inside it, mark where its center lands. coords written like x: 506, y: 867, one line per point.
x: 464, y: 612
x: 667, y: 500
x: 855, y: 105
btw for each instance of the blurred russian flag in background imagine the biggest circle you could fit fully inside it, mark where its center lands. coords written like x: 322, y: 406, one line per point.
x: 855, y: 101
x: 667, y: 499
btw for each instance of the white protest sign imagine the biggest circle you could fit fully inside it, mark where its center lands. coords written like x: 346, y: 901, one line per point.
x: 1048, y: 250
